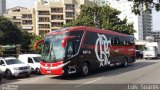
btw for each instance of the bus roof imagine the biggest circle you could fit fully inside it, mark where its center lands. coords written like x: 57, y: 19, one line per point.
x: 85, y: 28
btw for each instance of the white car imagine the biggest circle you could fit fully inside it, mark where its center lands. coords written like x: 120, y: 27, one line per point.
x: 12, y: 67
x: 33, y: 60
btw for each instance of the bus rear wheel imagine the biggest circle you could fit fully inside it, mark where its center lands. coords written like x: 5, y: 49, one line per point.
x: 125, y: 63
x: 85, y: 69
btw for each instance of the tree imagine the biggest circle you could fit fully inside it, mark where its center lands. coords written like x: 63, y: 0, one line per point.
x: 26, y: 40
x: 33, y: 41
x: 146, y: 5
x: 101, y: 17
x: 9, y: 32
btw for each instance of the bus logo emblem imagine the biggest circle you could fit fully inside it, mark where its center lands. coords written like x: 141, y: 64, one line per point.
x: 102, y: 49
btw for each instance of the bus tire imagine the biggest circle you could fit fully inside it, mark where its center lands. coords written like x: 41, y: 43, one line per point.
x: 84, y: 69
x: 125, y: 63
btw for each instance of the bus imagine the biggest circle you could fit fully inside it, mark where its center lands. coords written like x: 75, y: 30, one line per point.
x: 81, y: 49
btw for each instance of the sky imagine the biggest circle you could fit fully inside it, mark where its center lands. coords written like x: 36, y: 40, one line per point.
x: 30, y: 3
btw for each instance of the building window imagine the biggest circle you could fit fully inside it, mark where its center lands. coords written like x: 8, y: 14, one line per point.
x: 42, y: 32
x: 44, y: 19
x: 69, y: 7
x: 27, y: 16
x: 57, y: 10
x: 44, y: 26
x: 16, y: 17
x: 69, y: 14
x: 43, y: 13
x: 57, y: 17
x: 27, y: 22
x: 57, y: 24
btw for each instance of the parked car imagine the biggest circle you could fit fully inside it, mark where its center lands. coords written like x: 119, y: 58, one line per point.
x: 1, y: 75
x: 33, y: 60
x: 13, y: 67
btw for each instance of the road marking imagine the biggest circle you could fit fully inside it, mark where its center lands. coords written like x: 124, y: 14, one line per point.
x: 89, y: 82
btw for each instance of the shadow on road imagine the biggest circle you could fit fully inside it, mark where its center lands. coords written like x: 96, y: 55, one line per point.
x: 16, y: 79
x: 107, y: 72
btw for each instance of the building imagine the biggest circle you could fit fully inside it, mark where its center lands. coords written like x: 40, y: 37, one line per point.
x: 22, y: 17
x: 142, y: 23
x: 53, y: 15
x: 147, y: 24
x: 46, y: 16
x: 2, y: 7
x: 156, y: 35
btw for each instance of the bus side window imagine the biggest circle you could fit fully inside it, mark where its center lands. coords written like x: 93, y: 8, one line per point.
x: 90, y: 39
x: 71, y: 49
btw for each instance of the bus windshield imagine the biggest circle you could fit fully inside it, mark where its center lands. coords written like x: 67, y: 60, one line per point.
x: 52, y: 48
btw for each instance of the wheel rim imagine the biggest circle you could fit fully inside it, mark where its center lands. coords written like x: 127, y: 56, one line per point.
x: 85, y: 69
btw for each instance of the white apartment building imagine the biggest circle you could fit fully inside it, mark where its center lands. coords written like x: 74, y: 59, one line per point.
x: 22, y: 17
x: 140, y: 22
x: 53, y: 14
x: 46, y: 16
x: 2, y: 7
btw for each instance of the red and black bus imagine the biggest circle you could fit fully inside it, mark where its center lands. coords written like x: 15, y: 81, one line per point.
x: 81, y: 49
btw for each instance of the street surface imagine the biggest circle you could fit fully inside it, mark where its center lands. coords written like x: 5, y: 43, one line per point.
x: 141, y: 75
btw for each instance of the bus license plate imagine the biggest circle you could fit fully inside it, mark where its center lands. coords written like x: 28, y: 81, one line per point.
x: 48, y: 71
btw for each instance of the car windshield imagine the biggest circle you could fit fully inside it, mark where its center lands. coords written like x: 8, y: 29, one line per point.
x: 149, y: 48
x: 13, y: 61
x: 37, y: 59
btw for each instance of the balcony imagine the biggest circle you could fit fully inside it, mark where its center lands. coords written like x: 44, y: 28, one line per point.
x: 27, y: 16
x: 44, y: 26
x: 43, y: 19
x: 43, y: 13
x: 27, y: 22
x: 69, y: 8
x: 57, y: 24
x: 70, y: 15
x: 56, y: 10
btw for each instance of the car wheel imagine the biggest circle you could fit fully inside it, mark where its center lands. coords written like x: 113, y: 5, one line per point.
x: 37, y: 71
x: 84, y: 69
x: 28, y: 75
x: 8, y: 74
x: 125, y: 63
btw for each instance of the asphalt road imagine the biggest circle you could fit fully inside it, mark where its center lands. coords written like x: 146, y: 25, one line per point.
x: 142, y: 75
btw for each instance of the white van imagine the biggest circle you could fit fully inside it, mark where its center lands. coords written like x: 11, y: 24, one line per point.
x: 33, y: 60
x: 151, y: 50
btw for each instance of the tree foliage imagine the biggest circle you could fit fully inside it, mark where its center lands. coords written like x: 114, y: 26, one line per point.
x: 9, y: 32
x: 33, y: 41
x: 26, y: 40
x: 146, y: 5
x: 101, y: 17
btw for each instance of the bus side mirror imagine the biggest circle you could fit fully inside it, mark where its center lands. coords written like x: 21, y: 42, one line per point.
x: 38, y: 43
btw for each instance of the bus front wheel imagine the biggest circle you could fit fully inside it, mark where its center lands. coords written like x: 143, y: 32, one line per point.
x: 85, y: 69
